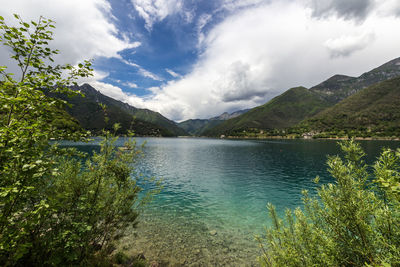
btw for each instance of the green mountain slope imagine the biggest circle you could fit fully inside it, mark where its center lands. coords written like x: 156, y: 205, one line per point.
x: 281, y: 112
x: 91, y: 116
x: 158, y: 119
x: 198, y: 126
x: 372, y: 111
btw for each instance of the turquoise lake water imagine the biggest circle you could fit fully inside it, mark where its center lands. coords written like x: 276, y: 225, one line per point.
x: 215, y: 193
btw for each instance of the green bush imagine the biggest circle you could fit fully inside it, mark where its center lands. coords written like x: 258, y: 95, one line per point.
x: 353, y: 222
x: 57, y: 206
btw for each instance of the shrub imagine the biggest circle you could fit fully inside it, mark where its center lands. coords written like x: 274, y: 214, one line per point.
x: 352, y: 223
x: 57, y: 206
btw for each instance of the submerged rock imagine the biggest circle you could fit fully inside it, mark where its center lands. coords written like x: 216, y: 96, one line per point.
x: 213, y: 232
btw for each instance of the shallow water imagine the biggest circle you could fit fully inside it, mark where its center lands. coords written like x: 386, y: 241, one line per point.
x: 215, y: 193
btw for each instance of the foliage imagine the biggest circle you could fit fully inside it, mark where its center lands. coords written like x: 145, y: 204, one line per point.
x: 387, y: 173
x: 90, y: 204
x: 57, y: 206
x: 353, y: 223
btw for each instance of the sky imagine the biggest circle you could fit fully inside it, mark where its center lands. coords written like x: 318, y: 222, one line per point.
x: 199, y: 58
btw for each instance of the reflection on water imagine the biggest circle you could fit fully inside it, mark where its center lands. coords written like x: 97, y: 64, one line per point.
x: 215, y: 193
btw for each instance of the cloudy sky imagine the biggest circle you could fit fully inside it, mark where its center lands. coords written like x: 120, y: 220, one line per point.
x: 200, y: 58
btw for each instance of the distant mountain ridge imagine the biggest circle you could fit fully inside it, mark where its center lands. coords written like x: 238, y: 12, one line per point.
x: 338, y: 87
x: 197, y: 127
x: 298, y: 104
x: 226, y: 116
x: 142, y: 121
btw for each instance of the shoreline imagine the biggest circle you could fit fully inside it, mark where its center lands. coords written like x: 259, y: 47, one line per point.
x: 319, y: 138
x: 174, y: 242
x: 294, y: 138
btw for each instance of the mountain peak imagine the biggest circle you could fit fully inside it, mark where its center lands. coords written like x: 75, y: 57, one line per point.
x: 143, y: 121
x: 226, y: 116
x: 339, y: 87
x: 394, y: 62
x: 387, y: 71
x: 339, y: 77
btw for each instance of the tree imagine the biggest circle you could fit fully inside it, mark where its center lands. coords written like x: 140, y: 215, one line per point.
x: 352, y: 223
x: 57, y: 206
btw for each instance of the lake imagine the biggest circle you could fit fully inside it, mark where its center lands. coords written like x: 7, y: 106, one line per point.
x: 215, y: 194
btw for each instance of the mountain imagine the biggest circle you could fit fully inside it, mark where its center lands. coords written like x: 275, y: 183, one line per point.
x: 196, y: 126
x: 297, y: 104
x: 199, y: 126
x: 339, y: 87
x: 372, y: 111
x: 282, y: 111
x: 92, y: 117
x: 335, y: 88
x: 226, y: 116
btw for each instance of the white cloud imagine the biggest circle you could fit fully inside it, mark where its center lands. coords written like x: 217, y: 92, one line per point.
x: 259, y: 52
x: 233, y: 5
x: 149, y: 74
x: 130, y: 84
x: 153, y: 11
x: 357, y: 10
x: 202, y: 21
x: 110, y: 90
x: 388, y: 7
x: 346, y: 45
x: 188, y: 15
x: 348, y: 9
x: 118, y: 94
x: 142, y: 71
x: 172, y: 73
x: 83, y: 28
x: 238, y: 83
x: 129, y: 63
